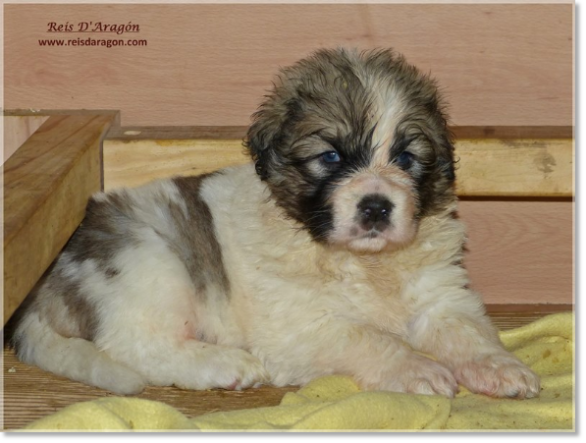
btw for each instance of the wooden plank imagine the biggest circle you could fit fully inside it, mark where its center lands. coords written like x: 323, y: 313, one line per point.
x: 512, y: 132
x: 30, y: 393
x: 17, y: 129
x: 487, y: 167
x: 210, y: 64
x: 511, y: 316
x: 130, y: 133
x: 46, y: 186
x: 13, y: 112
x: 520, y: 251
x: 515, y: 167
x: 135, y: 162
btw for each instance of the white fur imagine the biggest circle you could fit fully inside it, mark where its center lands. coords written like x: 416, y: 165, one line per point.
x: 75, y: 358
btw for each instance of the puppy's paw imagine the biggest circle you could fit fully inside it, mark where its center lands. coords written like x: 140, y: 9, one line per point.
x: 130, y: 384
x: 225, y: 368
x: 242, y: 370
x: 499, y: 375
x: 120, y: 380
x: 420, y: 375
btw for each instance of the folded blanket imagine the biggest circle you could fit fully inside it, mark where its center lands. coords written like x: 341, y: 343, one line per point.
x: 336, y: 402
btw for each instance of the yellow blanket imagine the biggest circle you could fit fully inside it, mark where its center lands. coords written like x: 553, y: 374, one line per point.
x: 336, y: 403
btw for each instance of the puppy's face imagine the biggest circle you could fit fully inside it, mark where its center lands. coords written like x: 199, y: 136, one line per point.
x: 355, y: 147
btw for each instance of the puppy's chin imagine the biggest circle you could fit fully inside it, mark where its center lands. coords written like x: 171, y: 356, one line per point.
x: 361, y: 241
x: 368, y: 245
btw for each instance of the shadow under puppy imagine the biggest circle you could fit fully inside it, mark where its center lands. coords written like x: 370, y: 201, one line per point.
x: 337, y: 252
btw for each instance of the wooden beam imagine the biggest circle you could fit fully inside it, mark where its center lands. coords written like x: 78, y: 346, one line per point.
x: 133, y: 163
x: 228, y: 132
x: 46, y: 186
x: 515, y: 167
x: 515, y: 164
x: 17, y: 129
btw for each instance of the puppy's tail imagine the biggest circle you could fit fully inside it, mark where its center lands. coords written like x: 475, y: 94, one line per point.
x: 37, y: 343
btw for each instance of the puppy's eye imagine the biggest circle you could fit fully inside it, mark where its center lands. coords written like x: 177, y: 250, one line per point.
x: 405, y: 160
x: 331, y: 157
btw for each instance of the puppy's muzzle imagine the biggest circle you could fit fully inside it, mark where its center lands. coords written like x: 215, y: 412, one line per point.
x: 374, y: 213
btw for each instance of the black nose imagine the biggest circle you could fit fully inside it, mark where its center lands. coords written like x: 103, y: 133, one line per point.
x: 374, y: 212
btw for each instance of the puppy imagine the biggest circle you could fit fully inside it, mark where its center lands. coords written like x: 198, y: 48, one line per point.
x: 337, y: 252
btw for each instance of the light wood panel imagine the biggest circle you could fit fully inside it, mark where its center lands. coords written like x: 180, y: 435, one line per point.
x: 207, y: 64
x: 30, y: 393
x: 46, y: 186
x: 487, y: 167
x: 492, y: 61
x: 515, y: 167
x: 133, y: 163
x: 130, y: 133
x: 17, y: 129
x: 520, y: 251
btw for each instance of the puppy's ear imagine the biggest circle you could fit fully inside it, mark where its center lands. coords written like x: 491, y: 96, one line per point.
x: 447, y: 169
x: 447, y: 157
x: 262, y: 137
x: 446, y: 161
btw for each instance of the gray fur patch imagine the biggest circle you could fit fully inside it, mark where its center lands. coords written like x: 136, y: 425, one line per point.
x: 108, y: 227
x: 196, y: 244
x: 58, y: 299
x: 80, y: 311
x: 112, y: 224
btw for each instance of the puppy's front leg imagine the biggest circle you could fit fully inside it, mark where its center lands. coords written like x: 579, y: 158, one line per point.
x: 462, y: 337
x: 382, y: 361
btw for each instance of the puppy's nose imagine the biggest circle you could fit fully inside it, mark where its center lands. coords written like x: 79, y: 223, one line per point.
x: 374, y: 212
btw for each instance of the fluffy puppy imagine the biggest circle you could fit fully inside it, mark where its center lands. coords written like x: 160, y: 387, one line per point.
x: 337, y: 252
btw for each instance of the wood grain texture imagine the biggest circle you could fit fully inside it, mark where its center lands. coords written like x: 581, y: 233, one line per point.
x: 30, y: 393
x: 487, y: 167
x: 520, y: 252
x: 507, y: 316
x: 239, y: 132
x: 46, y: 186
x: 131, y: 133
x: 210, y: 64
x: 515, y: 167
x: 135, y: 162
x: 17, y: 129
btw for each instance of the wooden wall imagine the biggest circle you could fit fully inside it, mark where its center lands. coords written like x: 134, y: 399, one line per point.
x: 520, y: 251
x: 209, y: 64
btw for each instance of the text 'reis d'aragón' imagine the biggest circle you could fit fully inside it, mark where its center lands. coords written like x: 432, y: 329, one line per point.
x: 93, y: 27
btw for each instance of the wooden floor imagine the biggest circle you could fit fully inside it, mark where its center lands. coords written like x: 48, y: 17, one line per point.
x: 30, y: 393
